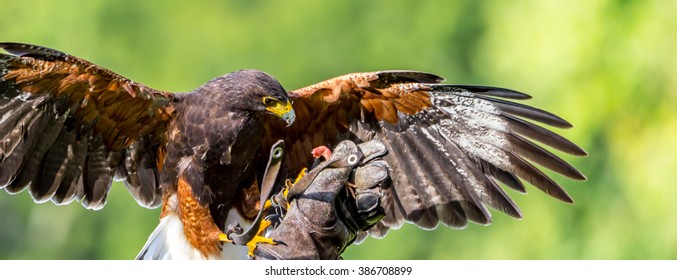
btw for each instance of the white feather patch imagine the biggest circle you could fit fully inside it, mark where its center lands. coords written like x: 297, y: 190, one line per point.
x: 168, y: 241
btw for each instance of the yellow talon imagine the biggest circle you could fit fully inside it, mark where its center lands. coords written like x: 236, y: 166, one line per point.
x: 267, y: 205
x: 303, y: 172
x: 288, y: 184
x: 224, y: 238
x: 258, y: 238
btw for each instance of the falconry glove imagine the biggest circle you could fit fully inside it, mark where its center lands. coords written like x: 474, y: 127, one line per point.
x: 330, y: 204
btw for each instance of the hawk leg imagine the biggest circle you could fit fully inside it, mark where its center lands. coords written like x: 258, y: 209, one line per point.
x: 198, y: 225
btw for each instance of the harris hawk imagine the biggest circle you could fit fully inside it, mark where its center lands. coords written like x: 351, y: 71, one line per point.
x: 68, y: 128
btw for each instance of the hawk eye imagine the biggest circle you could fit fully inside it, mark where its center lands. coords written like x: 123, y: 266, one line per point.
x: 268, y: 101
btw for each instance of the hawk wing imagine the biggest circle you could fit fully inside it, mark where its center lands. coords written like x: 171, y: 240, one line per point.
x: 68, y: 127
x: 449, y: 145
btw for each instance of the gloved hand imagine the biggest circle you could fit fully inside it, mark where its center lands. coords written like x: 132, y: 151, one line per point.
x: 328, y: 206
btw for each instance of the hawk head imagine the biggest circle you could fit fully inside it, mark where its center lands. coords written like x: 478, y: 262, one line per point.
x: 251, y: 91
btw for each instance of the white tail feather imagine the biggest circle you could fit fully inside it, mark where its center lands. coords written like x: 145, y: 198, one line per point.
x: 168, y: 242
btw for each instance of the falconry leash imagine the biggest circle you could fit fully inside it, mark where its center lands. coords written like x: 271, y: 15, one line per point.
x: 267, y: 186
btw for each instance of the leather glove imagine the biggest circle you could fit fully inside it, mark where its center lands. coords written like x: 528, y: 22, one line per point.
x: 330, y: 204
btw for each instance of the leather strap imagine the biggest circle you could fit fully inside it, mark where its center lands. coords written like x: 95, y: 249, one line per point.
x: 267, y: 186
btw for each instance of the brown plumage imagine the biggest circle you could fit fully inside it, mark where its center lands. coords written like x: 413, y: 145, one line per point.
x: 69, y: 127
x: 111, y: 123
x: 449, y: 145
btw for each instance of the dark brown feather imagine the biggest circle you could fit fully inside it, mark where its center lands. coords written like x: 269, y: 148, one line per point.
x: 502, y: 176
x: 100, y: 115
x: 528, y: 112
x: 71, y: 182
x: 32, y: 158
x: 54, y: 167
x: 541, y: 156
x: 544, y: 136
x: 139, y: 171
x: 537, y: 178
x: 13, y: 161
x: 98, y: 174
x: 449, y: 144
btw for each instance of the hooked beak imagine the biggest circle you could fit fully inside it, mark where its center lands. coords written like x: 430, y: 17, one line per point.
x: 284, y: 111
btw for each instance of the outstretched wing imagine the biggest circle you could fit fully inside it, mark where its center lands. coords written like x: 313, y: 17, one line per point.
x: 68, y: 127
x: 449, y: 145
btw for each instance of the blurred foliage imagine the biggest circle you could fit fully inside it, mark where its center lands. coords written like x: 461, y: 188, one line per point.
x: 606, y: 66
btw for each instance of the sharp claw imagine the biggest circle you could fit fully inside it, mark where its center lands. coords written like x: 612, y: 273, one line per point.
x: 252, y: 244
x: 224, y: 238
x: 274, y: 219
x: 234, y: 228
x: 289, y: 184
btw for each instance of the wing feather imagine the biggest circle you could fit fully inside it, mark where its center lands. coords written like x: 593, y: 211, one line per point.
x: 411, y: 189
x: 66, y: 126
x: 449, y: 145
x: 97, y: 175
x: 12, y: 159
x: 54, y: 166
x: 29, y: 162
x: 137, y: 170
x: 528, y: 112
x: 71, y: 182
x: 521, y: 127
x: 505, y: 177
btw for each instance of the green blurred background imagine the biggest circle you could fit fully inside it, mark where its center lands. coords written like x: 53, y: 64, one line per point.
x: 606, y: 66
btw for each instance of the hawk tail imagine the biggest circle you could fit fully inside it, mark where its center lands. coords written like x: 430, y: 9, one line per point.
x: 168, y: 242
x: 157, y: 246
